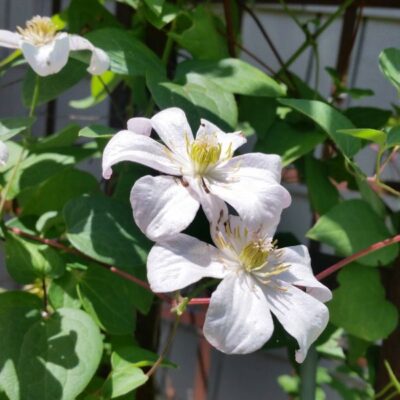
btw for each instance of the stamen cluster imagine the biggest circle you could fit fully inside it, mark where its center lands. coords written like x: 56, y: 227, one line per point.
x: 38, y: 30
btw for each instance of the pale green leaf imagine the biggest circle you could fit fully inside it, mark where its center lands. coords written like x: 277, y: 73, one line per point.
x: 389, y: 63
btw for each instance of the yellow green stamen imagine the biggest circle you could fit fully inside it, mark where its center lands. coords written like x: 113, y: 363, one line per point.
x: 38, y: 30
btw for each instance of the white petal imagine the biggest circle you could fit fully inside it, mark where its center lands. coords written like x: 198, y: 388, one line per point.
x: 99, y: 61
x: 141, y: 126
x: 9, y: 39
x: 228, y: 141
x: 249, y: 183
x: 49, y: 58
x: 4, y: 154
x: 129, y: 146
x: 300, y: 272
x: 174, y: 130
x: 238, y: 320
x: 214, y: 208
x: 302, y: 316
x: 180, y: 262
x: 162, y: 206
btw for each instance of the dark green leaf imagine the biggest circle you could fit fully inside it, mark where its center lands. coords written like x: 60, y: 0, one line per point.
x: 50, y: 87
x: 199, y: 98
x: 233, y: 75
x: 322, y: 193
x: 371, y: 197
x: 10, y: 127
x: 110, y: 300
x: 63, y: 138
x: 393, y: 137
x: 27, y: 261
x: 63, y: 291
x: 52, y: 358
x: 97, y: 131
x: 288, y: 141
x: 55, y: 192
x: 103, y: 228
x: 128, y: 55
x: 371, y: 117
x: 330, y: 120
x: 202, y: 24
x: 352, y: 226
x: 359, y: 305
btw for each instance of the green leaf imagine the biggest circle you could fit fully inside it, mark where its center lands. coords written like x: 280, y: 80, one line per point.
x: 233, y: 75
x: 330, y: 120
x: 259, y: 113
x: 110, y: 300
x: 100, y: 88
x: 372, y: 135
x: 122, y: 381
x: 97, y: 131
x: 63, y: 138
x: 89, y: 15
x: 52, y: 358
x: 371, y: 197
x: 322, y: 193
x: 389, y: 64
x: 359, y: 305
x: 393, y: 137
x: 352, y: 226
x: 155, y: 5
x: 288, y: 141
x: 63, y: 293
x: 103, y: 228
x: 52, y: 86
x: 168, y: 13
x: 128, y: 55
x: 55, y: 192
x: 200, y: 97
x: 10, y: 127
x: 199, y: 35
x: 27, y: 261
x: 137, y: 356
x: 375, y: 118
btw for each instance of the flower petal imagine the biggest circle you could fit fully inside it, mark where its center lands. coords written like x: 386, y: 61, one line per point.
x: 302, y: 316
x: 238, y: 320
x: 141, y: 126
x: 4, y: 153
x: 162, y: 206
x: 99, y: 61
x: 229, y: 141
x: 174, y: 130
x: 129, y: 146
x: 9, y: 39
x: 249, y: 183
x: 180, y: 262
x: 49, y: 58
x: 300, y: 272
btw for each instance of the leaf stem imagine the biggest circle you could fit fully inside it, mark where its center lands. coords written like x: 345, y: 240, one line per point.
x: 168, y: 343
x: 45, y: 298
x: 376, y: 246
x: 35, y: 96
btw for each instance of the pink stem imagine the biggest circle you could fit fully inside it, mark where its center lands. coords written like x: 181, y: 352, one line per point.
x: 376, y: 246
x: 199, y: 301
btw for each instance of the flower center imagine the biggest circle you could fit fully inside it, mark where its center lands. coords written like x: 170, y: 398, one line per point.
x: 38, y: 30
x: 254, y: 255
x: 205, y: 151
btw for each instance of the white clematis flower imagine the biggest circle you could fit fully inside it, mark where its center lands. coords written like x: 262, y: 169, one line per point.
x: 4, y: 154
x: 47, y: 50
x: 199, y: 171
x: 257, y: 279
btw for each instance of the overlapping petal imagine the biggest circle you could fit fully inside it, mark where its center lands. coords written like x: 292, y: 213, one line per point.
x: 9, y: 39
x: 302, y: 316
x: 174, y: 130
x: 300, y: 272
x: 162, y: 206
x: 139, y: 125
x: 99, y: 61
x: 238, y: 320
x: 253, y: 189
x: 49, y: 58
x: 128, y: 146
x: 175, y: 264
